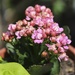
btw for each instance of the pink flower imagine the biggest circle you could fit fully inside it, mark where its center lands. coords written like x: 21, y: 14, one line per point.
x: 53, y: 39
x: 66, y: 47
x: 43, y: 8
x: 55, y: 27
x: 33, y: 14
x: 63, y: 39
x: 61, y: 49
x: 47, y: 31
x: 12, y: 27
x: 18, y: 34
x: 25, y: 22
x: 38, y: 41
x: 37, y: 36
x: 28, y: 18
x: 38, y: 20
x: 39, y: 27
x: 6, y: 36
x: 37, y: 8
x: 51, y: 47
x: 28, y: 10
x: 68, y: 41
x: 62, y: 56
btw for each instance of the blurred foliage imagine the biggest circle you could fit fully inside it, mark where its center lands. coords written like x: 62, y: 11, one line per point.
x: 58, y: 7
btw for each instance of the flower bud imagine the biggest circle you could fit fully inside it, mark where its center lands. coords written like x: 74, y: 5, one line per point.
x: 55, y: 51
x: 43, y: 8
x: 38, y: 8
x: 48, y: 10
x: 32, y: 23
x: 24, y: 22
x: 19, y: 23
x: 44, y: 54
x: 53, y: 33
x: 58, y: 44
x: 53, y: 39
x: 6, y: 38
x: 47, y: 31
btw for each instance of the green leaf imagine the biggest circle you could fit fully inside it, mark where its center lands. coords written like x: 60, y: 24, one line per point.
x: 12, y: 69
x: 67, y: 31
x: 21, y: 57
x: 35, y: 70
x: 42, y: 48
x: 56, y: 68
x: 10, y: 48
x: 40, y: 69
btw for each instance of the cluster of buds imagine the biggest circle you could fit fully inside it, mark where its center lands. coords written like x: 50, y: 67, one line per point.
x: 39, y: 25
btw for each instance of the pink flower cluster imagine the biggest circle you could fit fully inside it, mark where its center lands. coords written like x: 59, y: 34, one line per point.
x: 39, y: 25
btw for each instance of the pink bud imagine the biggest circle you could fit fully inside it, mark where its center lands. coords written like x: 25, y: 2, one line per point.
x: 63, y: 34
x: 37, y: 8
x: 61, y: 49
x: 53, y: 33
x: 24, y: 22
x: 55, y: 51
x: 58, y: 44
x: 44, y: 35
x: 19, y: 23
x: 49, y: 24
x: 32, y: 23
x: 48, y: 31
x: 32, y: 14
x: 43, y: 8
x: 53, y: 39
x: 48, y: 10
x: 28, y: 18
x: 26, y: 12
x: 6, y: 38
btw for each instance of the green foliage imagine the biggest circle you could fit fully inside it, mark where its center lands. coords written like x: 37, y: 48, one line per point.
x: 10, y: 48
x: 58, y: 7
x: 23, y: 51
x: 21, y: 57
x: 56, y: 68
x: 40, y: 69
x: 67, y: 31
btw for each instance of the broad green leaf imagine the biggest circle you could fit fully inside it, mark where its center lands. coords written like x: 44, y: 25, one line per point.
x: 35, y: 70
x: 12, y: 69
x: 10, y: 48
x: 56, y: 68
x: 40, y: 69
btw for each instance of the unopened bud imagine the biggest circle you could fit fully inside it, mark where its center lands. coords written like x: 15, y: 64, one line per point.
x: 55, y: 51
x: 53, y: 33
x: 44, y: 54
x: 19, y: 23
